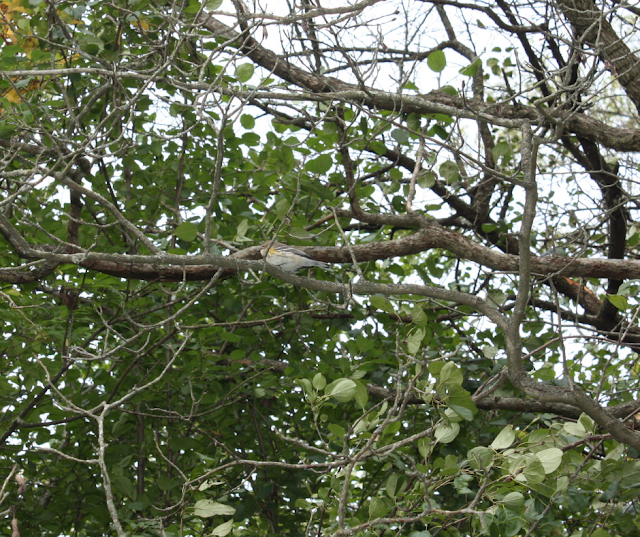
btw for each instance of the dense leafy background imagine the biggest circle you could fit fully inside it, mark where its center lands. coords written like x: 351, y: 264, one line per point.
x: 147, y: 391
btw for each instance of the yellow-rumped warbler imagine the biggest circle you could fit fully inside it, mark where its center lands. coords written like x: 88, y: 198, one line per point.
x: 288, y: 258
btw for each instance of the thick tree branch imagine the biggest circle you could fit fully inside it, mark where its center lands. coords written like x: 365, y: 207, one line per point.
x: 199, y: 267
x: 591, y: 24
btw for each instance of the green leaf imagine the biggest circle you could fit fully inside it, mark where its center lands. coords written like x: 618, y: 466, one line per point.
x: 471, y: 69
x: 319, y: 382
x: 452, y: 415
x: 587, y: 422
x: 187, y: 231
x: 480, y: 457
x: 546, y: 372
x: 440, y: 131
x: 450, y: 375
x: 533, y: 471
x: 400, y: 136
x: 282, y: 208
x: 494, y: 64
x: 336, y: 430
x: 489, y: 352
x: 457, y: 395
x: 378, y: 147
x: 513, y: 500
x: 620, y: 302
x: 244, y: 72
x: 461, y: 484
x: 630, y: 474
x: 497, y: 296
x: 6, y: 129
x: 391, y: 486
x: 414, y: 121
x: 504, y: 439
x: 424, y: 447
x: 212, y: 5
x: 418, y: 316
x: 209, y: 508
x: 562, y: 484
x: 90, y: 43
x: 223, y: 529
x: 329, y: 127
x: 446, y: 433
x: 208, y: 484
x: 123, y: 485
x: 306, y: 386
x: 320, y: 165
x: 449, y: 171
x: 550, y: 459
x: 449, y: 90
x: 426, y: 179
x: 165, y: 482
x: 120, y: 425
x: 437, y: 61
x: 464, y: 412
x: 377, y: 508
x: 575, y: 429
x: 500, y: 150
x: 192, y: 7
x: 414, y: 340
x: 250, y: 139
x: 381, y: 303
x: 344, y: 390
x: 611, y: 492
x: 229, y: 336
x: 241, y: 232
x: 247, y: 121
x: 362, y: 395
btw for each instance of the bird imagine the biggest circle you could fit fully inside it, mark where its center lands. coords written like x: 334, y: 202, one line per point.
x: 288, y: 258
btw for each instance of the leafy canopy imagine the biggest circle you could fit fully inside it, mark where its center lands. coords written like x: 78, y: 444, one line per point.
x: 469, y: 367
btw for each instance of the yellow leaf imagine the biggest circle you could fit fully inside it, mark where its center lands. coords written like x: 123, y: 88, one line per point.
x: 62, y: 63
x: 12, y: 96
x: 68, y: 19
x: 9, y: 6
x: 7, y: 34
x: 29, y: 45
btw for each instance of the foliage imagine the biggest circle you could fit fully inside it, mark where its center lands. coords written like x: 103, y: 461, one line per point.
x: 469, y: 367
